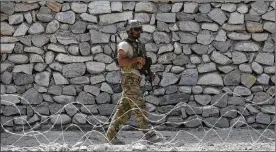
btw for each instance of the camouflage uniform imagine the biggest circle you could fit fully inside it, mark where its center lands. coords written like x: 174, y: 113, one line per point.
x: 131, y: 99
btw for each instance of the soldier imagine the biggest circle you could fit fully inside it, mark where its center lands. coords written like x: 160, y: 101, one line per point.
x: 131, y: 60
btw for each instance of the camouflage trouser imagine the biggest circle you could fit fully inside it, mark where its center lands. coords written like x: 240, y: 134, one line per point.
x: 131, y: 98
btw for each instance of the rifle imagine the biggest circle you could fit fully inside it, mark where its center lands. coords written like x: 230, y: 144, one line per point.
x: 146, y: 70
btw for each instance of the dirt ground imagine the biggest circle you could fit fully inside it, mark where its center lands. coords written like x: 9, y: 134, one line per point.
x: 203, y: 139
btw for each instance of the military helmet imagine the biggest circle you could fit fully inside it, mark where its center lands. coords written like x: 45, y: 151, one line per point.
x: 132, y: 24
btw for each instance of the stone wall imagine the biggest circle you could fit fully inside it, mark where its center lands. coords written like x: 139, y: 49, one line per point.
x: 214, y: 62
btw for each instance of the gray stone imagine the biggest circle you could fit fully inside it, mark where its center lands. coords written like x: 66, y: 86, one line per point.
x: 190, y: 7
x: 68, y: 17
x: 7, y: 48
x: 254, y: 27
x: 242, y: 8
x: 108, y: 19
x: 113, y: 77
x: 55, y: 90
x: 236, y: 100
x: 269, y: 70
x: 89, y: 18
x: 25, y: 68
x: 263, y: 118
x: 103, y: 98
x: 195, y: 59
x: 89, y: 109
x: 193, y: 121
x: 268, y: 109
x: 238, y: 122
x: 269, y: 26
x: 220, y: 58
x: 204, y: 8
x: 79, y: 118
x: 18, y: 58
x: 262, y: 98
x: 232, y: 78
x: 56, y: 66
x: 18, y: 48
x: 247, y: 46
x: 204, y: 18
x: 182, y: 16
x: 166, y: 17
x: 84, y: 48
x: 61, y: 119
x: 210, y: 111
x: 7, y: 8
x: 229, y: 111
x: 28, y: 17
x: 106, y: 109
x: 260, y: 37
x: 22, y: 78
x: 33, y: 49
x: 211, y: 90
x: 142, y: 17
x: 106, y: 88
x: 21, y: 30
x: 100, y: 7
x: 108, y: 29
x: 269, y: 16
x: 56, y: 108
x: 167, y: 58
x: 95, y: 67
x: 79, y: 7
x: 24, y: 7
x: 73, y: 70
x: 239, y: 36
x: 78, y: 27
x: 199, y: 49
x: 265, y: 58
x: 176, y: 7
x: 208, y: 67
x: 42, y: 108
x: 40, y: 40
x: 128, y: 6
x: 5, y: 66
x: 20, y: 120
x: 168, y: 79
x: 254, y: 18
x: 248, y: 80
x: 218, y: 16
x: 257, y: 88
x: 66, y: 37
x: 52, y: 27
x: 71, y: 109
x: 257, y: 68
x: 186, y: 37
x: 174, y: 98
x: 238, y: 57
x: 161, y: 37
x: 165, y: 48
x: 36, y: 28
x: 85, y: 98
x: 85, y: 37
x: 69, y: 59
x: 210, y: 26
x: 99, y: 37
x: 56, y: 48
x: 236, y: 18
x: 31, y: 96
x: 64, y: 99
x: 197, y: 89
x: 16, y: 19
x: 69, y: 90
x: 221, y: 36
x: 222, y: 46
x: 204, y: 37
x: 116, y: 6
x: 189, y: 77
x: 184, y: 89
x: 80, y: 80
x: 229, y: 7
x: 212, y: 79
x: 44, y: 16
x: 192, y: 108
x: 101, y: 57
x: 203, y: 99
x: 259, y: 6
x: 97, y: 79
x: 148, y: 7
x: 241, y: 91
x: 189, y: 26
x: 35, y: 58
x: 263, y: 79
x: 74, y: 49
x: 42, y: 78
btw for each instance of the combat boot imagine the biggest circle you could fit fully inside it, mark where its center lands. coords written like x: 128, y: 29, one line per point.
x: 116, y: 141
x: 152, y: 137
